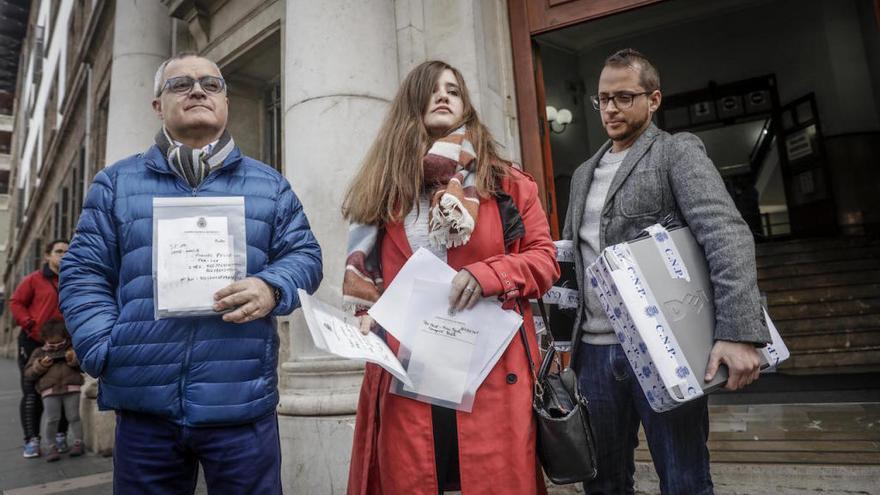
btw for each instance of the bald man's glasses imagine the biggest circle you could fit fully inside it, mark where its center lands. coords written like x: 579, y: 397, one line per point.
x: 184, y: 84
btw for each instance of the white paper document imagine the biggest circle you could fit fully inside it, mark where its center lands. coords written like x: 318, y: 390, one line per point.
x: 441, y: 360
x: 338, y: 333
x: 447, y: 356
x: 194, y: 260
x: 389, y: 309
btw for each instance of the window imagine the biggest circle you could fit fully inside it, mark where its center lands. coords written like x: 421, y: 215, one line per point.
x: 4, y: 181
x: 5, y: 142
x: 38, y: 54
x: 272, y: 143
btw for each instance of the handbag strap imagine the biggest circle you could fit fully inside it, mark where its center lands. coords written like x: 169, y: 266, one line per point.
x: 525, y: 341
x: 538, y: 375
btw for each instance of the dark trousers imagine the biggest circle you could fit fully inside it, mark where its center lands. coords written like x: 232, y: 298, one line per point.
x: 445, y: 428
x: 157, y: 457
x: 30, y: 409
x: 676, y: 438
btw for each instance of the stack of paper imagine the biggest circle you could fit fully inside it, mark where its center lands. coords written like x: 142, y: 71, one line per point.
x: 447, y: 356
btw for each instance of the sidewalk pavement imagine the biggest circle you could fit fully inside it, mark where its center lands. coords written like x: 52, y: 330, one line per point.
x: 848, y: 430
x: 87, y: 475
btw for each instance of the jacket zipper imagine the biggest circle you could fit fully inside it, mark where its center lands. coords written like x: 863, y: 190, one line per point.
x: 186, y: 361
x: 191, y: 331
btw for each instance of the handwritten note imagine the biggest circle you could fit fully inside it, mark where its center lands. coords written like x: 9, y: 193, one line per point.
x: 194, y: 260
x: 441, y: 358
x: 337, y: 333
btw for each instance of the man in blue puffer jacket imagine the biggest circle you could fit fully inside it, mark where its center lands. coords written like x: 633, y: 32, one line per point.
x: 198, y: 389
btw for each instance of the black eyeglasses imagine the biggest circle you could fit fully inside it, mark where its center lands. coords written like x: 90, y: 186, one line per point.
x: 621, y: 100
x: 184, y: 84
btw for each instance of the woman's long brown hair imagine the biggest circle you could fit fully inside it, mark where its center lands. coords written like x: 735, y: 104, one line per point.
x: 390, y: 178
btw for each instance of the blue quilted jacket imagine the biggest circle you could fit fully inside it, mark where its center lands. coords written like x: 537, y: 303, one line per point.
x: 193, y: 371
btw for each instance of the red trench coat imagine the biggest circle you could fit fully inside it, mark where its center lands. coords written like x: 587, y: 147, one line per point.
x: 393, y: 451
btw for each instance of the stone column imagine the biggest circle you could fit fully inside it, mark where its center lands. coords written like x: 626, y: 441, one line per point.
x: 141, y: 41
x: 339, y: 75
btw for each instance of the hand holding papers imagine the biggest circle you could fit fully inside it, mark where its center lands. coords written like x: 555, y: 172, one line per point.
x: 337, y: 333
x: 198, y: 248
x: 447, y: 357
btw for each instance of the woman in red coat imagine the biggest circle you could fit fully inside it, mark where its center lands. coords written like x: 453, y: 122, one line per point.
x: 433, y: 179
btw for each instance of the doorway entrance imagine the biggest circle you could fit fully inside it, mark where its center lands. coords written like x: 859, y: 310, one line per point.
x: 785, y: 96
x: 741, y: 74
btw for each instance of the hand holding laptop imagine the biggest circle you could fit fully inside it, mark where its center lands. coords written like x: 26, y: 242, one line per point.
x: 742, y: 360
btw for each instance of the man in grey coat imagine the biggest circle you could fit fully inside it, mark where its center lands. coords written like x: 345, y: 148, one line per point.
x: 639, y: 177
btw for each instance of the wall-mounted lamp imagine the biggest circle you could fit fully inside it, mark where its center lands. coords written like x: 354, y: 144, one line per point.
x: 558, y: 119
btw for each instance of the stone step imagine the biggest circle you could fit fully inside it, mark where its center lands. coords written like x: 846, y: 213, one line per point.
x: 812, y: 245
x: 847, y: 340
x: 824, y: 309
x: 815, y: 325
x: 834, y: 361
x: 821, y: 280
x: 818, y: 256
x: 793, y: 457
x: 782, y: 449
x: 752, y: 478
x: 801, y: 269
x: 811, y: 295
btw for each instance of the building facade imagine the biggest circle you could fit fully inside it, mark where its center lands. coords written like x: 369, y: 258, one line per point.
x: 309, y: 84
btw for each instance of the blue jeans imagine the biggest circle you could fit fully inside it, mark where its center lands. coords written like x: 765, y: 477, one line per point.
x: 676, y: 438
x: 155, y: 456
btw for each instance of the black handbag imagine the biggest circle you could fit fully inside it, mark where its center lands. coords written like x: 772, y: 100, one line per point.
x: 566, y: 447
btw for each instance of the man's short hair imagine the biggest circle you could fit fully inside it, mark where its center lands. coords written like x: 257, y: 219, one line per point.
x: 649, y: 78
x: 48, y: 248
x: 159, y: 79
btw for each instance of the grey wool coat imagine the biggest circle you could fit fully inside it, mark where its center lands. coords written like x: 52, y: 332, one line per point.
x: 663, y: 175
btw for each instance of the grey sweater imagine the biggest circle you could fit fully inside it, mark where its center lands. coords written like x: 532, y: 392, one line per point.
x: 597, y: 330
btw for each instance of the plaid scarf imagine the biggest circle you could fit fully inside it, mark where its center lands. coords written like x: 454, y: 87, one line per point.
x: 449, y: 171
x: 194, y: 164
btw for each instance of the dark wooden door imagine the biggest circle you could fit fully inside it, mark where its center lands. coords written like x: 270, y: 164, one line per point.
x: 811, y: 207
x: 546, y: 15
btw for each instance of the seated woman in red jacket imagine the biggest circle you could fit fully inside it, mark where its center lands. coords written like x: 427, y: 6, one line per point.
x: 433, y: 179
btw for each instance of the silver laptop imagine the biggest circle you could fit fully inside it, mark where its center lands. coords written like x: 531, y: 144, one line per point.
x: 687, y: 305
